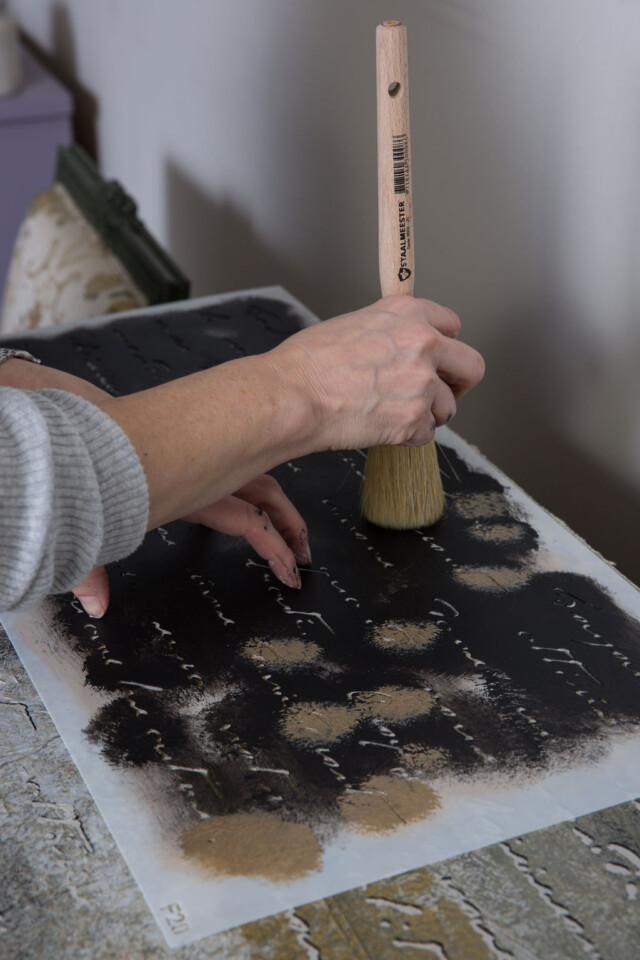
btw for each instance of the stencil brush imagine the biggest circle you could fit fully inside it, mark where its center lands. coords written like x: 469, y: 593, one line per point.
x: 402, y: 488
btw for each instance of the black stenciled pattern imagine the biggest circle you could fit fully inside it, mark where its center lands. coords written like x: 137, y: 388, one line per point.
x: 135, y: 353
x: 522, y: 678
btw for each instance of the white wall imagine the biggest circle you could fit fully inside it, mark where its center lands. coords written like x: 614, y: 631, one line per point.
x: 246, y: 132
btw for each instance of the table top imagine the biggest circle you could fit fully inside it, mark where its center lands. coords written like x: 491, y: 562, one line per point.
x: 570, y: 890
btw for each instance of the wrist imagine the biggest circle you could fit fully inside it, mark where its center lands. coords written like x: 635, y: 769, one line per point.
x: 203, y: 436
x: 296, y: 414
x: 18, y: 373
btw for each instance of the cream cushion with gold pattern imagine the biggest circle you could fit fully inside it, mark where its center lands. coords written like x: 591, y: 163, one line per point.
x: 61, y: 270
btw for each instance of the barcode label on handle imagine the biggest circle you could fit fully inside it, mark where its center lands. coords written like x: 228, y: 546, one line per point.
x: 401, y: 163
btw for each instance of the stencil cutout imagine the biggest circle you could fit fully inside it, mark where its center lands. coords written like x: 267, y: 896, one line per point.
x: 425, y: 693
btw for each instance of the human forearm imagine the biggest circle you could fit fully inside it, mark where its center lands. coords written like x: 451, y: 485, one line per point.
x: 389, y: 373
x: 202, y: 437
x: 72, y: 491
x: 199, y: 438
x: 23, y: 375
x: 386, y: 374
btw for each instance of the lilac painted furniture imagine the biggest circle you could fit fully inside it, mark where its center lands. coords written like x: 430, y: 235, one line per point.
x: 33, y: 122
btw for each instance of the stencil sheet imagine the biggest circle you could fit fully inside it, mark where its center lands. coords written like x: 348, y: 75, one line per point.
x: 425, y: 693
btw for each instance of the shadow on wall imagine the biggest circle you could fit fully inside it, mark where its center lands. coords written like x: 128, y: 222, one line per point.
x: 60, y: 59
x: 493, y: 226
x: 511, y: 416
x: 513, y: 419
x: 220, y: 246
x: 300, y: 206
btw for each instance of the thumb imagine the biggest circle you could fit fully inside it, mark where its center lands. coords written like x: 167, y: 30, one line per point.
x: 93, y: 592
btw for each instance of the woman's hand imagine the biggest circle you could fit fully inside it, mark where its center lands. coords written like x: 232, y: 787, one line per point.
x: 263, y: 515
x: 387, y: 374
x: 260, y: 513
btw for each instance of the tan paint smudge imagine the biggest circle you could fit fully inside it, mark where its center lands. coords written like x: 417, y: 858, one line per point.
x: 492, y: 578
x: 480, y: 506
x: 397, y: 636
x: 498, y: 532
x: 315, y: 723
x: 383, y: 804
x: 253, y: 845
x: 286, y: 653
x: 393, y: 703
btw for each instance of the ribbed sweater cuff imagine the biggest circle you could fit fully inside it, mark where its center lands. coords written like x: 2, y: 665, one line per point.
x: 121, y: 480
x: 73, y: 494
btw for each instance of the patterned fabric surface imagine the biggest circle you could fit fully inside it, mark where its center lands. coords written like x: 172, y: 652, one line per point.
x: 61, y: 270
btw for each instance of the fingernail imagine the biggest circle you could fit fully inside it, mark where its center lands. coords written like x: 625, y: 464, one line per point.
x: 290, y: 577
x: 303, y: 554
x: 94, y: 606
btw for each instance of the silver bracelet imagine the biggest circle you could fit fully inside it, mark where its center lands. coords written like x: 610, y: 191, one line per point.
x: 8, y: 354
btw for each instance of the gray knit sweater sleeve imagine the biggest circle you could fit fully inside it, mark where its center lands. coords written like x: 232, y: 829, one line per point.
x: 73, y: 494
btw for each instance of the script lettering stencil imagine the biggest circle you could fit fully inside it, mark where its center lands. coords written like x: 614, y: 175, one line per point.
x: 425, y: 693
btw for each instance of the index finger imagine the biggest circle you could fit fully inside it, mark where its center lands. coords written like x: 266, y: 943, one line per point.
x: 459, y: 365
x: 444, y: 320
x: 265, y: 492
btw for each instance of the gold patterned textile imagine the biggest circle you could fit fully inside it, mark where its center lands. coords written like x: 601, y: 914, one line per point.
x: 61, y: 270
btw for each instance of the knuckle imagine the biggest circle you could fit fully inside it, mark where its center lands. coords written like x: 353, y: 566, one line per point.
x: 266, y: 485
x: 425, y: 437
x: 428, y: 337
x: 425, y: 433
x: 415, y: 413
x: 442, y: 316
x: 398, y: 302
x: 454, y: 321
x: 410, y: 338
x: 430, y: 382
x: 254, y: 519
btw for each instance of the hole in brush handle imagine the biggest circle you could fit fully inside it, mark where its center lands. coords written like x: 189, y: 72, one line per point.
x: 394, y: 88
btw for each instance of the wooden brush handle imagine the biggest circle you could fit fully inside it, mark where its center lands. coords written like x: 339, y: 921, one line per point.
x: 402, y: 488
x: 395, y: 210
